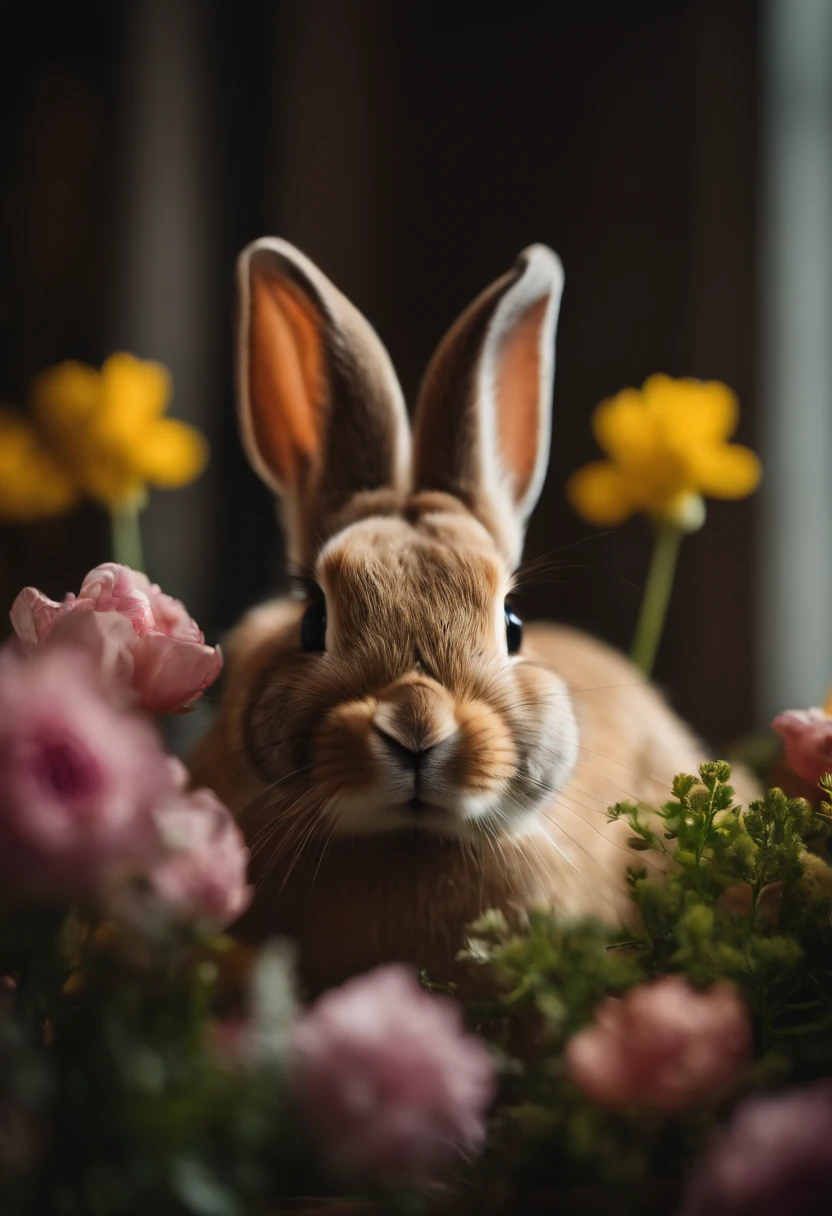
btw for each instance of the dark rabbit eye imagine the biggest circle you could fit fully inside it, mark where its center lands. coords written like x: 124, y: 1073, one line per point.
x: 313, y: 627
x: 514, y: 630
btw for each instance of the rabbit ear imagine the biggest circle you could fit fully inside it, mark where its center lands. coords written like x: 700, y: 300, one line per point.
x: 483, y: 420
x: 321, y: 411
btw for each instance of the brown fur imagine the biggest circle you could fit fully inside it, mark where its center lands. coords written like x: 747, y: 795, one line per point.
x: 516, y: 758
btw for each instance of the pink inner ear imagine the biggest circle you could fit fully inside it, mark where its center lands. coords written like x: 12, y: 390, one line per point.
x: 518, y: 397
x: 285, y: 378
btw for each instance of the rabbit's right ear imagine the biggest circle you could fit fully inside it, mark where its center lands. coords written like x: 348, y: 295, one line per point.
x: 483, y: 419
x: 321, y: 411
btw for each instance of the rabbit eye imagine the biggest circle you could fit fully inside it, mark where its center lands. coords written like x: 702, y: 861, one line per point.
x: 514, y: 630
x: 313, y: 627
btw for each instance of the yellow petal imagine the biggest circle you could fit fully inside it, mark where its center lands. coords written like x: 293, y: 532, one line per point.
x: 135, y: 393
x: 109, y: 481
x: 692, y: 411
x: 623, y: 428
x: 601, y: 494
x: 32, y: 483
x: 65, y: 398
x: 725, y: 470
x: 171, y: 454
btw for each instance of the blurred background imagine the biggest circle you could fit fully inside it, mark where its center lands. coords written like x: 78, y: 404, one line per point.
x: 677, y: 154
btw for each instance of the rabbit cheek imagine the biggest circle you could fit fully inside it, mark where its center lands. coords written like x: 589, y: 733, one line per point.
x: 484, y: 759
x: 342, y: 761
x: 549, y: 734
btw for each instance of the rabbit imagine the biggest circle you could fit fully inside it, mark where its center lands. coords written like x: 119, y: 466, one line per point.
x: 400, y: 752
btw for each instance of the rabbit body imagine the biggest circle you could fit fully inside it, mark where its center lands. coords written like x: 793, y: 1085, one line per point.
x: 351, y: 903
x: 398, y: 761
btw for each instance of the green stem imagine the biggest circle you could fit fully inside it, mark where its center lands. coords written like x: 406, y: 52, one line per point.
x: 126, y: 536
x: 656, y: 597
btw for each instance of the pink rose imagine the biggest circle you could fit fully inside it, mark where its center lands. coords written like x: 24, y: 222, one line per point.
x: 137, y: 633
x: 388, y: 1078
x: 664, y: 1045
x: 201, y: 872
x: 808, y: 737
x: 79, y: 775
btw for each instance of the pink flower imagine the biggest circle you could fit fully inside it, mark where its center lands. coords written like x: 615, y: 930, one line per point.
x: 772, y: 1158
x: 664, y: 1045
x: 389, y: 1079
x: 201, y: 872
x: 79, y: 775
x: 808, y: 737
x: 137, y: 633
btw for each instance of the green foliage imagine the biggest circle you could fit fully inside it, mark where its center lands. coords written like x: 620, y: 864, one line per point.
x: 558, y: 969
x: 742, y: 901
x: 130, y: 1104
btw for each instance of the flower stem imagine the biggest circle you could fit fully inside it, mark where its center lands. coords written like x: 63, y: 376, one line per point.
x: 656, y: 597
x: 126, y: 536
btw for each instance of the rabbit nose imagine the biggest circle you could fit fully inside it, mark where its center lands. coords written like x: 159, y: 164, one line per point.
x: 413, y: 718
x: 406, y: 756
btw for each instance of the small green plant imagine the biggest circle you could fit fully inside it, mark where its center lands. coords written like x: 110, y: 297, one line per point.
x: 742, y: 902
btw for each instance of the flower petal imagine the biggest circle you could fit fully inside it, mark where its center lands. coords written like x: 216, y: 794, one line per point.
x: 107, y: 477
x: 169, y: 674
x: 725, y: 471
x: 808, y: 738
x: 135, y: 393
x: 172, y: 617
x: 692, y: 411
x: 81, y: 775
x: 65, y: 398
x: 105, y: 637
x: 33, y: 485
x: 116, y: 588
x: 623, y: 428
x: 171, y: 454
x: 600, y: 493
x: 32, y: 616
x: 201, y: 874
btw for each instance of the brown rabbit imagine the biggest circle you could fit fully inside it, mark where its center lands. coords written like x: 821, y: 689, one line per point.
x: 399, y: 761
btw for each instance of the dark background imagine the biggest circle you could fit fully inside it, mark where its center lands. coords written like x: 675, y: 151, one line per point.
x: 411, y: 149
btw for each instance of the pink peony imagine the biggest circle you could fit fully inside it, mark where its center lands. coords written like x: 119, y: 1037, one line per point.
x: 136, y: 632
x: 79, y: 775
x: 808, y: 737
x: 664, y: 1045
x: 389, y: 1079
x: 201, y: 873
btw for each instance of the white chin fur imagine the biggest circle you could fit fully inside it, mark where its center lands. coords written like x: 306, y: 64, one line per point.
x: 468, y: 817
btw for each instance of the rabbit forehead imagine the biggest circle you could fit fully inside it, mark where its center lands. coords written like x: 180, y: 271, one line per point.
x: 435, y: 554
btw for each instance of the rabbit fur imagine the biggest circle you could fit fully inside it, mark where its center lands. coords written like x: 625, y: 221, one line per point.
x: 395, y: 769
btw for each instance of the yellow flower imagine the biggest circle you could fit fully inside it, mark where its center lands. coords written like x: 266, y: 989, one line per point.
x: 32, y: 483
x: 108, y: 430
x: 667, y: 446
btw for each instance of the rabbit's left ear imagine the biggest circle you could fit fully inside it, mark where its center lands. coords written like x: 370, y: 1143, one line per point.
x: 483, y: 421
x: 321, y: 412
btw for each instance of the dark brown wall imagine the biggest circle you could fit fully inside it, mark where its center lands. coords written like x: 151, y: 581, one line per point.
x: 414, y: 148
